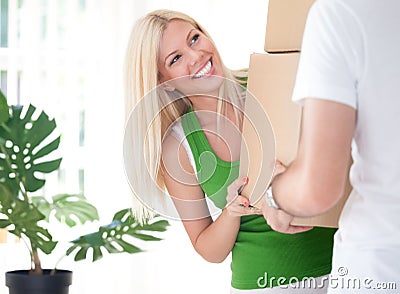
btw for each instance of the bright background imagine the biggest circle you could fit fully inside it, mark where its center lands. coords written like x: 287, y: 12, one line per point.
x: 66, y: 56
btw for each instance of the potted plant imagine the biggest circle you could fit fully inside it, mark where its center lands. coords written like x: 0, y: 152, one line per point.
x: 26, y: 148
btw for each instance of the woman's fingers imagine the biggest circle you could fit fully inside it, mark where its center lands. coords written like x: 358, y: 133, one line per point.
x: 235, y: 188
x: 239, y: 205
x: 279, y: 168
x: 237, y: 208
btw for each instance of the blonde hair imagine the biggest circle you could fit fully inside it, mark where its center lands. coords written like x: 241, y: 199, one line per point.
x: 145, y: 129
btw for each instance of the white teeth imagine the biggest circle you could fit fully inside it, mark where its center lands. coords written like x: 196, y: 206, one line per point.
x: 204, y: 71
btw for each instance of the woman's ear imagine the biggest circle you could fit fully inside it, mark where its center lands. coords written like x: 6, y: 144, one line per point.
x: 167, y: 87
x: 164, y: 85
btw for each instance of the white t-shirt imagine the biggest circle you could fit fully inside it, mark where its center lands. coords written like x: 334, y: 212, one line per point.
x: 351, y: 54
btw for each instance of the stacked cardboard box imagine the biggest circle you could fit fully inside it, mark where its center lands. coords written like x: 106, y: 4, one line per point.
x: 271, y: 81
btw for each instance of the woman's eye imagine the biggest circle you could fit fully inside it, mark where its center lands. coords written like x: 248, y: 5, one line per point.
x: 175, y: 59
x: 194, y: 39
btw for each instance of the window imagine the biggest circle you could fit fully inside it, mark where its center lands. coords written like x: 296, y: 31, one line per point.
x: 3, y: 81
x: 3, y: 23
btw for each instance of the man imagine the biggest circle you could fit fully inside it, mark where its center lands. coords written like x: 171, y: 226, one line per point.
x: 349, y: 85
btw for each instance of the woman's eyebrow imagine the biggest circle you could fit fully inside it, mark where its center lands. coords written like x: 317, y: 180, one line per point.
x: 172, y: 53
x: 187, y: 39
x: 188, y: 36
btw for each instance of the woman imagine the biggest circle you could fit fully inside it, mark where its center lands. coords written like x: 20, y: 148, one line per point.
x: 187, y: 135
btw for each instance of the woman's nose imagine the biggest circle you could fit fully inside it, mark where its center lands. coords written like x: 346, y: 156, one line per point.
x: 195, y: 56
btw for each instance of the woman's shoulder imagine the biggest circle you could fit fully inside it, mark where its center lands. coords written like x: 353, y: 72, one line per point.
x: 170, y: 141
x: 176, y: 130
x: 175, y: 147
x: 173, y: 139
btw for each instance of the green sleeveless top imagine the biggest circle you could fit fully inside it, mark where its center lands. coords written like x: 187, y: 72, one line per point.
x: 261, y: 257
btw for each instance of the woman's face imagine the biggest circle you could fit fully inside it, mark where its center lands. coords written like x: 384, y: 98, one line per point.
x: 187, y: 54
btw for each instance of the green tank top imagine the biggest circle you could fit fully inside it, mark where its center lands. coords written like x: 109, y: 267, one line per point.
x: 261, y: 257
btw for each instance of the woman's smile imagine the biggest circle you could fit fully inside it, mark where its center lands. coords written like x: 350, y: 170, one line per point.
x: 207, y: 69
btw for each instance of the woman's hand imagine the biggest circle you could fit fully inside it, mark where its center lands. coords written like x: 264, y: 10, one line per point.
x: 238, y: 205
x: 279, y: 168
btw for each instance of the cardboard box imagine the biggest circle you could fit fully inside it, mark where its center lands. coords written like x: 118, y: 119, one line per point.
x: 285, y: 24
x: 270, y: 85
x: 271, y: 81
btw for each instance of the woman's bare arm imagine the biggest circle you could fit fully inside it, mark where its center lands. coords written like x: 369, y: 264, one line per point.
x: 213, y: 240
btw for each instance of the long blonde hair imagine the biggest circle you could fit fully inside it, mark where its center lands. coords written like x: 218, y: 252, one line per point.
x: 144, y: 129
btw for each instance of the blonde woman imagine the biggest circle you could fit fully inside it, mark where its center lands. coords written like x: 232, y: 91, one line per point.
x: 184, y: 133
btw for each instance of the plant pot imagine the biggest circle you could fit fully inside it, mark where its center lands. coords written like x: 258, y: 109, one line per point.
x: 20, y: 282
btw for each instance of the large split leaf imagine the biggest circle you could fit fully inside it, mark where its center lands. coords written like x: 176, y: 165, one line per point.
x: 70, y: 209
x: 117, y: 236
x: 21, y: 218
x: 22, y: 154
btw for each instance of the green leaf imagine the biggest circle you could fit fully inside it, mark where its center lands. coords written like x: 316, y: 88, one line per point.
x: 49, y: 148
x: 117, y: 236
x: 97, y: 254
x: 159, y: 226
x: 4, y: 223
x: 23, y: 158
x: 24, y: 217
x: 145, y: 237
x: 111, y: 248
x: 43, y: 206
x: 4, y: 110
x: 69, y: 209
x: 71, y: 249
x: 128, y: 248
x: 48, y: 167
x: 81, y: 254
x: 73, y: 209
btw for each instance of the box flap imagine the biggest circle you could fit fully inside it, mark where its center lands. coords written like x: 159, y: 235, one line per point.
x: 285, y: 24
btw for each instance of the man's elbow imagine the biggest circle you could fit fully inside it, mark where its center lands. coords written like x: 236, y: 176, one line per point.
x: 317, y: 200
